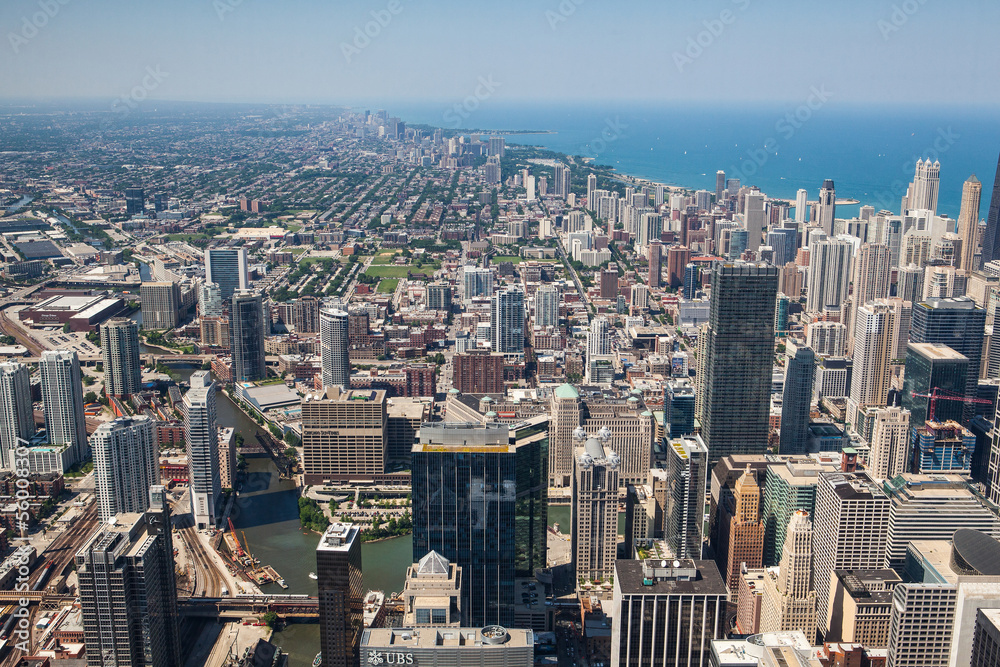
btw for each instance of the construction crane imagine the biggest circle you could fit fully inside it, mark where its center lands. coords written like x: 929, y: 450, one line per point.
x: 938, y: 395
x: 236, y: 541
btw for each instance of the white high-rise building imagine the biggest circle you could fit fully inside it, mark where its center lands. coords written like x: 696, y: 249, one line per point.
x: 872, y: 269
x: 926, y: 186
x: 126, y: 464
x: 227, y: 267
x: 875, y: 341
x: 17, y: 419
x: 120, y: 352
x: 62, y: 404
x: 889, y: 443
x: 209, y: 300
x: 829, y: 274
x: 507, y: 324
x: 529, y: 186
x: 477, y: 281
x: 640, y: 298
x: 547, y: 306
x: 789, y: 599
x: 755, y: 218
x: 202, y: 434
x: 599, y: 338
x: 801, y: 207
x: 827, y: 339
x: 335, y: 348
x: 827, y: 209
x: 595, y: 511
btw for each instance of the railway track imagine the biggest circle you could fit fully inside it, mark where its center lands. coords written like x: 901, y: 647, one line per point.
x: 207, y: 577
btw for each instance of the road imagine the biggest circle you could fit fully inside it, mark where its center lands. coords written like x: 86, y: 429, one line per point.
x: 572, y: 272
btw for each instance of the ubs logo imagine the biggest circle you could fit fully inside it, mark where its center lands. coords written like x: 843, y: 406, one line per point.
x: 390, y: 658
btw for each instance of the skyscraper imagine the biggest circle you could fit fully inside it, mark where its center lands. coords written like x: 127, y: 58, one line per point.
x: 507, y: 324
x: 872, y: 269
x: 341, y: 592
x: 738, y: 355
x: 796, y: 401
x: 599, y: 338
x: 128, y: 593
x: 683, y: 515
x: 227, y: 267
x: 547, y: 306
x: 479, y: 499
x: 160, y: 304
x: 335, y: 348
x: 595, y: 512
x: 62, y: 403
x: 890, y: 443
x: 655, y: 270
x: 930, y: 367
x: 135, y: 201
x: 783, y: 241
x: 827, y: 209
x: 754, y: 215
x: 246, y: 337
x: 801, y: 207
x: 926, y: 186
x: 202, y: 435
x: 746, y: 530
x: 210, y: 302
x: 991, y: 237
x: 789, y: 600
x: 478, y: 372
x: 17, y: 420
x: 120, y: 351
x: 829, y: 274
x: 477, y: 281
x: 874, y: 344
x: 344, y: 435
x: 968, y: 223
x: 126, y: 464
x: 720, y: 185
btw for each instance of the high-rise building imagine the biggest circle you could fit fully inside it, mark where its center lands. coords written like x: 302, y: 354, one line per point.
x: 135, y: 201
x: 227, y: 267
x: 910, y: 283
x: 595, y: 512
x: 958, y: 323
x: 160, y: 304
x: 478, y: 372
x: 746, y: 530
x: 341, y: 593
x: 986, y: 642
x: 737, y: 361
x: 17, y: 419
x: 126, y: 464
x: 968, y: 223
x: 609, y: 282
x: 507, y: 324
x: 849, y: 532
x: 305, y: 315
x: 692, y: 281
x: 202, y: 435
x: 210, y: 303
x: 655, y: 270
x: 874, y: 344
x: 479, y: 500
x: 679, y: 408
x: 829, y: 274
x: 827, y: 339
x: 62, y: 403
x: 477, y: 281
x: 889, y: 443
x: 666, y: 612
x: 827, y: 208
x: 547, y: 306
x: 246, y: 337
x: 599, y: 338
x: 789, y: 599
x: 335, y: 348
x: 640, y: 298
x: 783, y: 240
x: 128, y: 593
x: 801, y: 207
x: 720, y: 185
x: 789, y: 486
x: 991, y: 236
x: 796, y: 401
x: 562, y: 178
x: 684, y: 511
x: 872, y: 269
x: 926, y: 186
x: 432, y: 594
x: 755, y: 219
x: 678, y: 258
x: 942, y: 447
x: 930, y: 367
x: 120, y: 352
x: 344, y: 435
x: 439, y: 297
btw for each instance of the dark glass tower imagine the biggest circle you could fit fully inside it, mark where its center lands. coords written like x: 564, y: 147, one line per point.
x: 795, y: 401
x: 991, y: 237
x: 246, y: 336
x: 480, y: 501
x: 930, y: 367
x: 738, y: 358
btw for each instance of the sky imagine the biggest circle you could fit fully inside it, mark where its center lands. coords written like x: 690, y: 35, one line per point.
x: 873, y: 52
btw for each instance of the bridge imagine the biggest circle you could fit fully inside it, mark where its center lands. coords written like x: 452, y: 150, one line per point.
x: 177, y: 358
x: 299, y: 607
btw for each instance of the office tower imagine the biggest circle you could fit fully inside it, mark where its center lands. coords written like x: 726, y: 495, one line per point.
x: 754, y: 215
x: 986, y: 642
x: 826, y: 211
x: 874, y: 344
x: 829, y: 274
x: 547, y: 300
x: 686, y: 480
x: 655, y: 271
x: 227, y: 267
x: 910, y: 283
x: 160, y: 303
x: 959, y: 324
x: 679, y: 408
x: 566, y: 416
x: 341, y: 593
x: 889, y: 443
x: 863, y: 608
x: 932, y: 367
x: 246, y: 337
x: 507, y: 324
x: 720, y: 185
x: 746, y: 530
x: 666, y: 612
x: 926, y: 186
x: 692, y: 281
x: 609, y: 282
x: 942, y: 447
x: 599, y: 338
x: 479, y: 500
x: 789, y: 486
x: 801, y: 207
x: 202, y: 435
x: 120, y: 352
x: 827, y: 339
x: 849, y: 532
x: 126, y: 464
x: 210, y: 302
x: 783, y: 241
x: 335, y: 348
x: 931, y: 507
x: 17, y: 420
x: 968, y: 223
x: 62, y: 403
x: 737, y: 360
x: 738, y: 241
x: 479, y: 372
x: 595, y: 512
x: 991, y: 236
x: 135, y: 201
x: 789, y: 600
x: 344, y: 435
x: 432, y: 594
x: 872, y: 269
x: 128, y: 594
x: 796, y: 401
x: 439, y: 297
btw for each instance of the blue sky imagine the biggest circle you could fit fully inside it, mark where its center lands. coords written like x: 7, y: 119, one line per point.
x: 912, y: 52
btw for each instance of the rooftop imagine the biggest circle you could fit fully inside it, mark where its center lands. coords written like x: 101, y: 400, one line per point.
x: 338, y: 537
x: 490, y: 637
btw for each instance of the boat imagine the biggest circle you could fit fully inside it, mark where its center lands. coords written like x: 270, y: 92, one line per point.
x: 318, y: 660
x: 312, y: 575
x: 281, y: 582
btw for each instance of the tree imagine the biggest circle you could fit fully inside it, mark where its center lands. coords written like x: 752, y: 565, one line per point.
x: 66, y: 328
x: 270, y: 619
x: 90, y: 397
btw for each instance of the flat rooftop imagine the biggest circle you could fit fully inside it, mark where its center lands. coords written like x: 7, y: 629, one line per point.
x: 429, y: 638
x: 338, y: 537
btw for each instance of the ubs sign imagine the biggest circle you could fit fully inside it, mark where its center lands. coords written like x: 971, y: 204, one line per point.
x: 390, y: 658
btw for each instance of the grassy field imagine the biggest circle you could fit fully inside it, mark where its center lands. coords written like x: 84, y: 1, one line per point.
x: 506, y: 258
x: 377, y: 271
x: 387, y: 286
x: 384, y: 257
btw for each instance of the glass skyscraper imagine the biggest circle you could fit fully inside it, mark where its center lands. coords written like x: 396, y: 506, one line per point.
x: 930, y: 367
x: 246, y: 337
